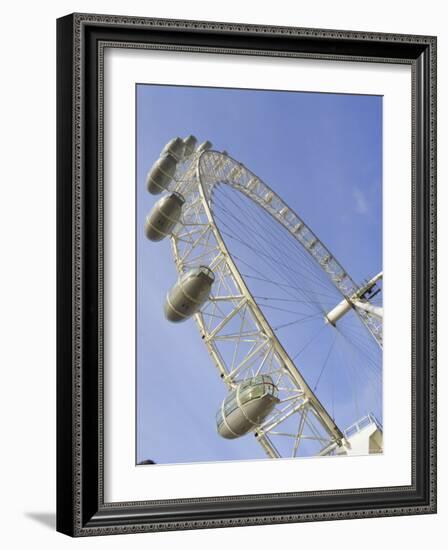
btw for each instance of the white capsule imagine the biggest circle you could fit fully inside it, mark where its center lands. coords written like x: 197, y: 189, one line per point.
x: 189, y: 294
x: 174, y: 147
x: 205, y: 146
x: 163, y: 217
x: 161, y: 174
x: 190, y: 145
x: 246, y: 406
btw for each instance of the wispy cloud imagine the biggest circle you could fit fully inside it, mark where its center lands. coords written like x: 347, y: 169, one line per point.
x: 361, y: 204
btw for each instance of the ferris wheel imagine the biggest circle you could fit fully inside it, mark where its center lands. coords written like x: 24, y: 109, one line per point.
x: 296, y: 342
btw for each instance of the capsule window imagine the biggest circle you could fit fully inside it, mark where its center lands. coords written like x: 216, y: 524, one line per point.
x: 207, y: 271
x: 270, y: 389
x: 196, y: 271
x: 230, y: 405
x: 249, y: 390
x: 178, y: 196
x: 190, y: 274
x: 185, y: 276
x: 256, y: 392
x: 219, y: 420
x: 247, y: 383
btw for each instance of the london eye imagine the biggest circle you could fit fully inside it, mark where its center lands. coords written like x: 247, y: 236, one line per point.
x: 285, y: 325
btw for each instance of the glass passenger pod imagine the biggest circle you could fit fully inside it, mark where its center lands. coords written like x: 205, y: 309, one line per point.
x: 161, y: 174
x: 175, y: 147
x: 246, y: 406
x: 190, y: 143
x: 205, y: 146
x: 189, y: 294
x: 164, y: 216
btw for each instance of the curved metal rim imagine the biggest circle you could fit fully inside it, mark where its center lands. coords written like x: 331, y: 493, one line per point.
x: 329, y: 424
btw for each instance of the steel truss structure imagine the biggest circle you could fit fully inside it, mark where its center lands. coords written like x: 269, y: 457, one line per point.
x: 239, y: 338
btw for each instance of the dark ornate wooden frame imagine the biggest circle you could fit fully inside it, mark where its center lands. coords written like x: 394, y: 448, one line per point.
x: 81, y: 39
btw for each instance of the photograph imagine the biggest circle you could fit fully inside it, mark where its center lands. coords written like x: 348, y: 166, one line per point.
x: 259, y: 274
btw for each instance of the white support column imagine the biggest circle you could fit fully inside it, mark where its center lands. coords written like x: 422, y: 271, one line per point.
x: 354, y: 301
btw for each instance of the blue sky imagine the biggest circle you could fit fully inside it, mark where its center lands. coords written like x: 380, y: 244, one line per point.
x: 322, y: 153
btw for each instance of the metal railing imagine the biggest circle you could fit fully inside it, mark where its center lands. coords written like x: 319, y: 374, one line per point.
x: 361, y: 424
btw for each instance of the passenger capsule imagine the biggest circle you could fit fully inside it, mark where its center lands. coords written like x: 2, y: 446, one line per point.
x: 246, y: 406
x: 164, y: 215
x: 189, y: 145
x: 175, y: 147
x: 161, y: 174
x: 205, y: 146
x: 189, y: 294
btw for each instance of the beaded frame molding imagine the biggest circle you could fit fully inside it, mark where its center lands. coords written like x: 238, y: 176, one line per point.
x: 81, y: 509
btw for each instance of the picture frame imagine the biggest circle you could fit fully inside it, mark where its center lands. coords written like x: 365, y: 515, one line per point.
x: 81, y: 506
